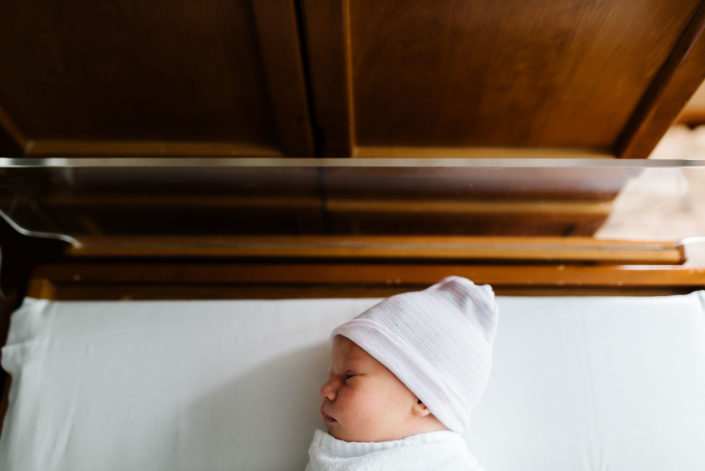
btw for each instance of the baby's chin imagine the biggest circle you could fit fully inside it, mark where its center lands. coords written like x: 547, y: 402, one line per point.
x: 339, y: 433
x: 333, y: 432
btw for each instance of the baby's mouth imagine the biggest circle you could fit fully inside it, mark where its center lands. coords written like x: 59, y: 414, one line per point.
x: 327, y: 418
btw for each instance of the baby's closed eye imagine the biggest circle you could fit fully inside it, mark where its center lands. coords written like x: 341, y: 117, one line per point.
x: 349, y: 375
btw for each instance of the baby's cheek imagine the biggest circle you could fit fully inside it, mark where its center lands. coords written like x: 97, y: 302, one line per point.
x: 381, y: 402
x: 394, y: 393
x: 348, y: 399
x: 360, y: 404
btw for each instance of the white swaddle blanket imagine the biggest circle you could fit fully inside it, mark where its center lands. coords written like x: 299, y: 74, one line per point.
x: 434, y: 451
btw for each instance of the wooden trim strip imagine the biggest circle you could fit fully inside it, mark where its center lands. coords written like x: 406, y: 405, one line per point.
x: 375, y: 274
x: 478, y: 152
x: 371, y: 206
x: 71, y: 147
x: 574, y: 249
x: 185, y: 201
x: 344, y: 205
x: 70, y: 292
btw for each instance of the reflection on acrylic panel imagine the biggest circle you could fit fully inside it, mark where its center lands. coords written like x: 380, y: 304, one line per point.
x: 285, y: 199
x: 603, y: 198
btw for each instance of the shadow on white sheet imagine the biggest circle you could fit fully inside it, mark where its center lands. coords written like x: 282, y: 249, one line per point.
x: 206, y: 385
x: 266, y: 409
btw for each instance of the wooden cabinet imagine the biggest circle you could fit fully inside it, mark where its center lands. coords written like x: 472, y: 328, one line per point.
x: 480, y: 78
x: 213, y: 77
x: 367, y: 78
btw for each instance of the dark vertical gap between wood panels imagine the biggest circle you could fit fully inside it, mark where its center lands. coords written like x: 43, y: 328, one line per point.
x: 280, y: 45
x: 316, y: 130
x: 323, y: 26
x: 318, y: 137
x: 679, y: 77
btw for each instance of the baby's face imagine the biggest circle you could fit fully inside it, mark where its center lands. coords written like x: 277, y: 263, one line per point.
x: 363, y: 401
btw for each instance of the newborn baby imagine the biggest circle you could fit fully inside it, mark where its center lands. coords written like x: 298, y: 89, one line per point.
x: 403, y: 378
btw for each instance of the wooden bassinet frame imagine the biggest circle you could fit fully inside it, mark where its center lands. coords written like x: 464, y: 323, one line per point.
x: 309, y: 267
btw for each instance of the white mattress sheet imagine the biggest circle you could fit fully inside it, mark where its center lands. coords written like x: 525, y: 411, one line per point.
x: 595, y: 383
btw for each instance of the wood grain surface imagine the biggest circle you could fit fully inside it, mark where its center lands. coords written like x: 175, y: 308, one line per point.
x: 553, y: 249
x: 207, y: 72
x: 513, y: 75
x: 272, y: 280
x: 341, y: 78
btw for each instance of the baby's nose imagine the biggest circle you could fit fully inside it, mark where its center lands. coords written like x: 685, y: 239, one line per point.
x: 329, y: 390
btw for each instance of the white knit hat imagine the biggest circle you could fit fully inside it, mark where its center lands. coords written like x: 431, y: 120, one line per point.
x: 438, y: 342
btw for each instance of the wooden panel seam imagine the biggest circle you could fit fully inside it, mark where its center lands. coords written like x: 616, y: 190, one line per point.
x: 349, y: 84
x: 278, y: 35
x: 638, y: 132
x: 327, y: 39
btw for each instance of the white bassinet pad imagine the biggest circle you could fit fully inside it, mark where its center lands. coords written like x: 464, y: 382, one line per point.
x: 591, y: 383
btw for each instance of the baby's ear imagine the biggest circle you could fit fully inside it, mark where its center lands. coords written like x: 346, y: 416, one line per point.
x: 419, y: 409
